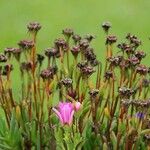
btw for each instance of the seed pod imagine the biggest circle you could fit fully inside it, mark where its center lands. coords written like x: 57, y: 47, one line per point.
x: 108, y: 74
x: 93, y: 93
x: 75, y: 50
x: 67, y: 82
x: 33, y: 27
x: 142, y: 69
x: 26, y: 66
x: 111, y: 39
x: 26, y: 44
x: 60, y: 43
x: 17, y: 53
x: 76, y: 38
x: 8, y: 51
x: 133, y: 61
x: 84, y: 44
x: 125, y: 92
x: 106, y: 26
x: 115, y: 61
x: 67, y: 32
x: 51, y: 52
x: 140, y: 54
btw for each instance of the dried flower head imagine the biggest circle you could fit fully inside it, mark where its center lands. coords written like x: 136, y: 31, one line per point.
x: 140, y: 54
x: 125, y: 92
x: 76, y: 38
x: 142, y: 69
x: 108, y: 74
x: 106, y: 26
x: 51, y: 52
x: 67, y: 82
x: 115, y: 61
x: 26, y: 44
x: 84, y: 44
x: 67, y: 32
x: 26, y: 66
x: 33, y: 27
x: 111, y: 39
x: 75, y: 50
x: 48, y: 73
x: 133, y: 61
x: 93, y: 93
x: 60, y: 43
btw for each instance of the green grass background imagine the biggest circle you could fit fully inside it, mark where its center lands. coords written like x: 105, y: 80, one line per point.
x: 84, y: 16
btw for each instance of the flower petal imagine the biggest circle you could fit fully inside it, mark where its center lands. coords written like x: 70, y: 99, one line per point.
x: 58, y: 115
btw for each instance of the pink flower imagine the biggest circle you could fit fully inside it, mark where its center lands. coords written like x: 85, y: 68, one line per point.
x: 77, y: 106
x: 65, y: 112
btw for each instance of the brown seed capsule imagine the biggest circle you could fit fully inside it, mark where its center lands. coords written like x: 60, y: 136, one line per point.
x: 125, y: 92
x: 51, y: 52
x: 84, y: 44
x: 140, y: 54
x: 67, y: 32
x: 106, y: 26
x: 27, y: 66
x: 48, y: 73
x: 17, y: 53
x: 75, y: 50
x: 82, y: 64
x: 142, y: 69
x: 115, y: 61
x: 8, y: 51
x: 87, y: 70
x: 67, y: 82
x: 76, y: 38
x: 111, y: 39
x: 60, y: 43
x: 133, y: 61
x: 93, y: 93
x: 34, y: 27
x: 26, y: 44
x: 108, y: 74
x: 3, y: 58
x: 89, y: 54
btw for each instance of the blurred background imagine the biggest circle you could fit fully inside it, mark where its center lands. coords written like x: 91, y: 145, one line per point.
x: 84, y: 16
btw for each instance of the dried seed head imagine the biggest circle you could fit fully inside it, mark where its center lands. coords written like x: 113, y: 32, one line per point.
x: 67, y: 32
x: 84, y: 44
x: 67, y: 82
x: 7, y: 69
x: 26, y: 44
x: 115, y: 61
x: 8, y: 51
x: 93, y: 93
x: 89, y: 54
x: 51, y: 52
x: 48, y: 73
x: 106, y: 26
x: 108, y: 74
x: 124, y: 63
x: 94, y: 62
x: 141, y: 104
x: 142, y: 69
x: 26, y: 66
x: 126, y: 103
x: 111, y: 39
x: 87, y: 70
x: 89, y: 37
x: 3, y: 58
x: 76, y: 38
x: 140, y: 54
x: 82, y: 64
x: 75, y: 50
x: 133, y: 61
x: 17, y: 53
x: 125, y: 92
x: 60, y: 43
x: 33, y: 27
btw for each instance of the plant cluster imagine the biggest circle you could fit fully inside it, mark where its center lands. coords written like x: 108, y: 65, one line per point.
x: 70, y: 100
